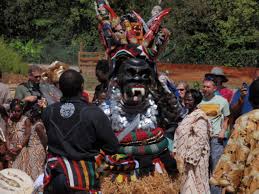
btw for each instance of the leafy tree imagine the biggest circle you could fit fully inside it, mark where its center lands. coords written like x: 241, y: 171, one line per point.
x: 221, y: 32
x: 10, y: 61
x: 218, y: 32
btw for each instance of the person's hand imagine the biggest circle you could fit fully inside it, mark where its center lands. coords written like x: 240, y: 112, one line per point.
x: 15, y: 151
x: 42, y: 103
x: 30, y: 98
x: 221, y: 134
x: 243, y: 92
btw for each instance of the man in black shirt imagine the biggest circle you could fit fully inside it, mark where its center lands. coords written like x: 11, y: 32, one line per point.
x: 76, y: 132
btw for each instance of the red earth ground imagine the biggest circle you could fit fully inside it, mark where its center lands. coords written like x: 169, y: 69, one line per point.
x: 195, y: 73
x: 188, y: 72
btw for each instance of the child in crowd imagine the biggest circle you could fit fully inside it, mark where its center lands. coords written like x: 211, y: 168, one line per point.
x: 37, y: 144
x: 18, y: 134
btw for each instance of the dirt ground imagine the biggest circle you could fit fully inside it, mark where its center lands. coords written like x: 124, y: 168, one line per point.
x: 11, y: 78
x: 193, y: 74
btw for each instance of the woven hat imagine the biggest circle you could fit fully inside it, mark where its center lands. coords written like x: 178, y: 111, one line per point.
x: 14, y: 181
x: 217, y: 72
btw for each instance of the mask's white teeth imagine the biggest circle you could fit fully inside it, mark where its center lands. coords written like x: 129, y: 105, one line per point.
x: 141, y: 90
x: 133, y: 90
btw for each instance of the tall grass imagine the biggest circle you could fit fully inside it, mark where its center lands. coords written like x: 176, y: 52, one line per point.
x: 10, y: 61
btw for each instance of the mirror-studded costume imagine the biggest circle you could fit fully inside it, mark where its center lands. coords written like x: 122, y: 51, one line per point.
x: 139, y: 109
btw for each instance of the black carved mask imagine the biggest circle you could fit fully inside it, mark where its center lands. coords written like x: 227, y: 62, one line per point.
x: 135, y: 76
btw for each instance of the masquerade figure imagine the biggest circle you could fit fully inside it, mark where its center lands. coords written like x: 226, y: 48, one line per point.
x: 139, y: 109
x: 130, y: 34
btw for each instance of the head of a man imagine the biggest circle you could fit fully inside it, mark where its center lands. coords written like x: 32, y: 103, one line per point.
x: 102, y: 71
x: 254, y: 94
x: 209, y: 88
x: 71, y: 83
x: 34, y: 74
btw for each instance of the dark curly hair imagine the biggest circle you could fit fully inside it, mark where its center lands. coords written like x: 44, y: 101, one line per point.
x: 70, y: 83
x: 15, y: 102
x: 196, y: 95
x: 103, y: 66
x: 35, y: 112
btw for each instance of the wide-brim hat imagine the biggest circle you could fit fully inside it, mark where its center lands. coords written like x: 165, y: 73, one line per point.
x: 217, y: 72
x: 14, y: 181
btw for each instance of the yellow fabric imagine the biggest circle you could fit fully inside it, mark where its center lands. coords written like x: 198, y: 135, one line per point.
x: 238, y: 167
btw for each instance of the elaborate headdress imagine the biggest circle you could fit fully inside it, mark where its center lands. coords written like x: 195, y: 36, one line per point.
x: 129, y: 36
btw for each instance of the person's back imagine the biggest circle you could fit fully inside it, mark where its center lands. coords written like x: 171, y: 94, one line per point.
x: 75, y: 129
x: 237, y: 169
x: 76, y: 132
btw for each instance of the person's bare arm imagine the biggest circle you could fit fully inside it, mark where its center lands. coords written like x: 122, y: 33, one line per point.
x: 30, y: 99
x: 25, y: 140
x: 237, y: 107
x: 42, y: 135
x: 27, y: 132
x: 224, y: 128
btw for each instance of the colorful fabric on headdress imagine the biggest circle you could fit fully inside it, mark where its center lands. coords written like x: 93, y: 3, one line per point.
x: 129, y: 35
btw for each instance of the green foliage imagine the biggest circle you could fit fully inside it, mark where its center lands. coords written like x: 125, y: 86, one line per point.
x: 217, y: 32
x: 60, y: 52
x: 220, y: 32
x: 10, y: 61
x: 30, y: 50
x: 196, y: 85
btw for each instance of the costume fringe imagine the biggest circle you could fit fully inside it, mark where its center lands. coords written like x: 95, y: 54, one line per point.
x: 157, y: 184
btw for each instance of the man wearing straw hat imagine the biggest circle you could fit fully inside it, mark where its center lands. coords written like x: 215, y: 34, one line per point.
x: 218, y: 74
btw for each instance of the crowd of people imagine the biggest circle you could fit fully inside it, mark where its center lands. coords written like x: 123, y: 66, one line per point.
x: 41, y: 127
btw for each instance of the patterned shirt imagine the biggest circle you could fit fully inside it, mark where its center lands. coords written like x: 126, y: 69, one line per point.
x: 237, y: 169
